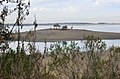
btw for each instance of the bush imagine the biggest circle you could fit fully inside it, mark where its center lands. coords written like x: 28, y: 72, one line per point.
x: 64, y: 27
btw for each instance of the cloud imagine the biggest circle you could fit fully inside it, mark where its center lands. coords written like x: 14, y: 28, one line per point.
x: 73, y: 10
x: 106, y: 1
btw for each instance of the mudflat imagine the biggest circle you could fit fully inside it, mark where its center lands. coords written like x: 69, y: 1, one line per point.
x: 51, y: 35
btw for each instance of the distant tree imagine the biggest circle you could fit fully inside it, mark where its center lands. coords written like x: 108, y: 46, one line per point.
x: 56, y: 26
x: 64, y: 27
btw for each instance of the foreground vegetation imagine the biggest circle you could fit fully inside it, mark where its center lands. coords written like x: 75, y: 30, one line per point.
x: 63, y: 61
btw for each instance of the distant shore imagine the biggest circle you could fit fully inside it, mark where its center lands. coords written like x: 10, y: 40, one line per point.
x: 67, y: 23
x: 52, y: 35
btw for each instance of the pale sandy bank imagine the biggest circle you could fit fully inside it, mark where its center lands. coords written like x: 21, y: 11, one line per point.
x: 64, y: 35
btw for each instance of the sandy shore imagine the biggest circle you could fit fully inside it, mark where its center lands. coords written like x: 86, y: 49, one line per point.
x: 64, y: 35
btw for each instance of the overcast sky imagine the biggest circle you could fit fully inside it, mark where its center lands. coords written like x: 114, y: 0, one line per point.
x: 48, y: 11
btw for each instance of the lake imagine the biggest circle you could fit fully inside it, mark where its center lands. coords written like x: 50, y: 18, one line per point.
x: 100, y: 27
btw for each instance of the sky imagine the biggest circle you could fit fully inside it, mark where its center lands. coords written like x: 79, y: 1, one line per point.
x: 53, y: 11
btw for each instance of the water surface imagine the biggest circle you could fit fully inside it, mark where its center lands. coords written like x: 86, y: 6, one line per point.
x: 101, y: 28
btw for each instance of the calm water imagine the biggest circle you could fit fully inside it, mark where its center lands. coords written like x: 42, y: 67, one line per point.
x: 102, y: 28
